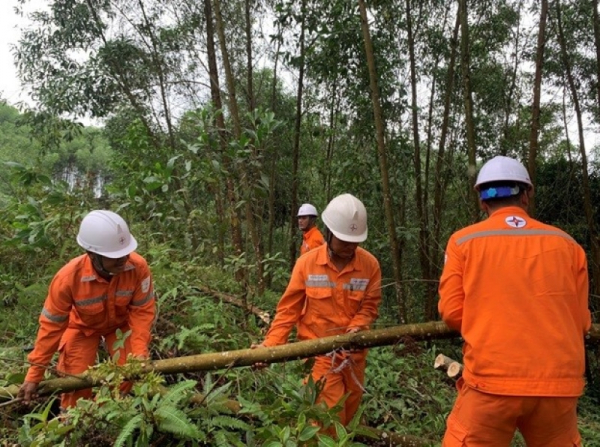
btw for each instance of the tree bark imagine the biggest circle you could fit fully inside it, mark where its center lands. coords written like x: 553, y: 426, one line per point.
x: 421, y: 187
x: 215, y: 92
x: 250, y: 175
x: 273, y: 167
x: 248, y: 357
x: 296, y: 146
x: 597, y: 45
x: 587, y: 194
x: 468, y: 102
x: 441, y: 168
x: 510, y: 100
x: 535, y: 108
x: 383, y: 162
x: 333, y: 112
x: 249, y: 67
x: 245, y: 177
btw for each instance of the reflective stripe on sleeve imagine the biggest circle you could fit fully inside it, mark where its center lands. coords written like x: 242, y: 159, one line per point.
x: 515, y: 232
x: 143, y: 300
x: 54, y: 318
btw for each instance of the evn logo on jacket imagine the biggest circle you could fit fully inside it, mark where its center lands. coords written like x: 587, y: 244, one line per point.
x: 515, y: 221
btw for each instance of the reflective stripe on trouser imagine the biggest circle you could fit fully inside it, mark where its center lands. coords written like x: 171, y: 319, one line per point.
x: 77, y: 352
x: 490, y: 420
x: 340, y: 381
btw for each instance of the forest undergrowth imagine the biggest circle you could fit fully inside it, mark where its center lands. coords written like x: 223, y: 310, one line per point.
x: 404, y: 394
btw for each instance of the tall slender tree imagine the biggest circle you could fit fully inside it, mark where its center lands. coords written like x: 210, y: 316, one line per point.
x: 468, y: 104
x: 587, y: 200
x: 383, y: 161
x: 537, y: 89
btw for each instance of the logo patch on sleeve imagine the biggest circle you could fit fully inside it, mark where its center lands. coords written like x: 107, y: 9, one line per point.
x: 146, y: 285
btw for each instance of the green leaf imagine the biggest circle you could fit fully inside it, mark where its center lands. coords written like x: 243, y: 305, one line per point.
x: 326, y: 441
x: 175, y: 421
x: 308, y: 433
x: 15, y: 378
x: 178, y: 392
x: 127, y: 431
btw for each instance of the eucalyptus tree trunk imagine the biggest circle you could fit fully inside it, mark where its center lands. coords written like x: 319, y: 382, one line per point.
x: 249, y: 69
x: 433, y: 330
x: 245, y: 177
x: 383, y: 162
x: 509, y: 98
x: 441, y: 170
x: 297, y: 129
x: 273, y: 167
x: 420, y: 189
x: 249, y: 357
x: 215, y: 91
x: 597, y: 45
x: 587, y: 200
x: 254, y: 219
x: 333, y: 111
x: 567, y: 138
x: 535, y: 108
x: 468, y: 101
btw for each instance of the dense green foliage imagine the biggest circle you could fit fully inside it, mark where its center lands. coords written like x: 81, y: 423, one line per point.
x: 217, y: 126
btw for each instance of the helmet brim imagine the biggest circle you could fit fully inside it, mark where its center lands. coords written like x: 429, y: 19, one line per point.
x: 115, y: 254
x: 347, y: 238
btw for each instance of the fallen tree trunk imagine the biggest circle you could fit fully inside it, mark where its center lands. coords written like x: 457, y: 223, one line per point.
x: 248, y: 357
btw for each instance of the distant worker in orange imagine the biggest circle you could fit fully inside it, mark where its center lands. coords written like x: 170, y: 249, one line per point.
x: 334, y: 289
x: 517, y: 290
x: 107, y: 289
x: 307, y: 223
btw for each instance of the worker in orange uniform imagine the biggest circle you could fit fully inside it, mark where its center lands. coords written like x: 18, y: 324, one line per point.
x: 334, y: 289
x: 307, y: 223
x: 517, y: 290
x: 107, y: 289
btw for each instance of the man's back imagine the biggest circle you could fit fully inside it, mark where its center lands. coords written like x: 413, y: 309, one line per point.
x: 521, y: 288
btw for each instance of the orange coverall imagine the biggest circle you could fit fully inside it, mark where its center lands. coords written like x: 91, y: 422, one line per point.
x: 82, y: 307
x: 311, y: 239
x: 517, y: 290
x: 322, y: 301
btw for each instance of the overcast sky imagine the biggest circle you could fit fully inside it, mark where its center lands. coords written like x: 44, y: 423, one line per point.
x: 10, y: 89
x: 9, y: 34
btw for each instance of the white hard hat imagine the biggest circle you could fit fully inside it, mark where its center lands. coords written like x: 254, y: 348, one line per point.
x: 106, y: 233
x: 307, y: 210
x: 346, y: 218
x: 502, y: 168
